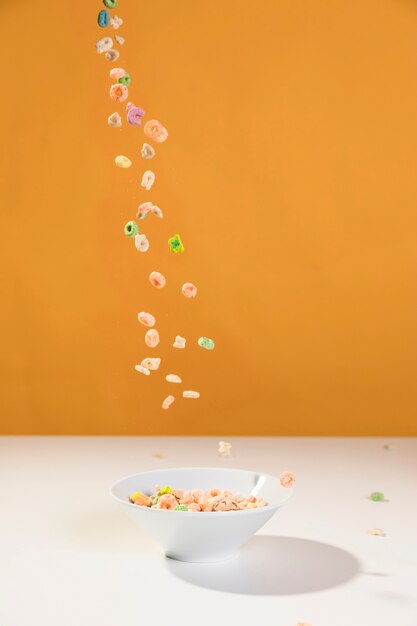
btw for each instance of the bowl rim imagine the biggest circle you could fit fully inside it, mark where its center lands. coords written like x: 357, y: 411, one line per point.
x: 268, y: 507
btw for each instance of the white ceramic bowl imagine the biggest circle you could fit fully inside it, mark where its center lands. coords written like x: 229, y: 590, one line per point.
x: 202, y: 537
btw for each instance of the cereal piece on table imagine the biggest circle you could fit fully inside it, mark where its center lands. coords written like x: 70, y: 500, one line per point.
x: 175, y: 244
x: 134, y: 114
x: 167, y: 402
x: 286, y: 479
x: 112, y: 55
x: 190, y: 394
x: 173, y: 378
x: 147, y: 151
x: 104, y: 44
x: 157, y: 279
x: 181, y: 507
x: 376, y: 532
x: 114, y: 120
x: 141, y: 243
x: 152, y: 338
x: 110, y: 4
x: 103, y: 18
x: 119, y: 92
x: 142, y: 370
x: 116, y: 73
x: 377, y: 496
x: 120, y: 40
x: 388, y: 446
x: 116, y: 22
x: 151, y: 363
x: 131, y: 229
x: 189, y: 290
x: 155, y: 131
x: 225, y: 449
x: 179, y: 342
x: 147, y: 319
x: 205, y: 342
x: 148, y: 179
x: 122, y: 161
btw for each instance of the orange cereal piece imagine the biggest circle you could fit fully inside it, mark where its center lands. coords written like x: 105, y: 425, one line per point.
x: 287, y: 479
x: 167, y: 501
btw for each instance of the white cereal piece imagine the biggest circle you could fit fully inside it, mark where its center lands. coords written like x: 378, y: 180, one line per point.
x: 104, y: 44
x: 157, y: 211
x: 179, y: 342
x: 190, y: 394
x: 120, y: 40
x: 148, y: 179
x: 141, y: 242
x: 151, y: 364
x: 167, y: 402
x: 112, y: 55
x: 147, y: 151
x: 116, y: 22
x: 114, y: 120
x: 225, y: 448
x: 142, y: 370
x: 173, y: 378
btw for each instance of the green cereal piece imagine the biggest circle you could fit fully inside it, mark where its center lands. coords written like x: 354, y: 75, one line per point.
x: 125, y: 80
x: 205, y: 342
x: 181, y: 507
x: 175, y: 244
x: 131, y: 229
x: 377, y: 496
x: 164, y: 490
x: 110, y: 4
x: 155, y: 500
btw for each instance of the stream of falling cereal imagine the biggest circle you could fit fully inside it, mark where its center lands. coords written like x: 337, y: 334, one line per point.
x: 154, y: 132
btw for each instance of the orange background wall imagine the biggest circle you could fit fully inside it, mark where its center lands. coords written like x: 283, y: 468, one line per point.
x: 290, y: 172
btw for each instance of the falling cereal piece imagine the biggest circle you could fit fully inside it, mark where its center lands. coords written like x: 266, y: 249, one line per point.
x: 167, y: 402
x: 104, y: 44
x: 189, y: 290
x: 122, y: 161
x: 147, y: 319
x: 110, y: 4
x: 141, y: 243
x: 148, y: 179
x: 376, y: 532
x: 155, y: 131
x: 142, y: 370
x: 117, y: 72
x: 157, y: 211
x: 114, y: 120
x: 151, y: 364
x: 377, y: 496
x: 143, y: 210
x: 190, y: 394
x: 175, y: 244
x: 287, y: 479
x: 157, y: 279
x: 134, y: 113
x: 120, y: 40
x: 173, y: 378
x: 205, y: 342
x: 116, y: 22
x: 152, y: 338
x: 225, y: 449
x: 119, y: 92
x: 131, y: 229
x: 147, y: 151
x: 112, y: 55
x: 103, y: 18
x: 179, y: 342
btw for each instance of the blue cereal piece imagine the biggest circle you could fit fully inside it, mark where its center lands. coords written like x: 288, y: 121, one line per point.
x: 103, y: 19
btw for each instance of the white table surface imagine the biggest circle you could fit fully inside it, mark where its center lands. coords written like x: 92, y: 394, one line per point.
x: 69, y: 556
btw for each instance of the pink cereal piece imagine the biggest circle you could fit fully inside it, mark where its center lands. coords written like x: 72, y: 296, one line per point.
x: 287, y: 479
x: 155, y: 131
x: 251, y: 499
x: 117, y: 72
x: 189, y: 290
x: 119, y: 92
x: 167, y: 501
x: 152, y: 338
x: 157, y: 280
x: 187, y: 497
x: 143, y: 210
x: 146, y: 319
x: 193, y: 506
x: 167, y: 402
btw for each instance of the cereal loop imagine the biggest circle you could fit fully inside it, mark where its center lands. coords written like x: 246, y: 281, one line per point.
x: 155, y: 131
x: 157, y: 280
x: 119, y: 92
x: 287, y: 479
x: 152, y: 338
x: 189, y: 290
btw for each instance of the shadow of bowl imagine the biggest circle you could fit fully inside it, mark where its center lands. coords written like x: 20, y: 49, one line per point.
x: 277, y: 566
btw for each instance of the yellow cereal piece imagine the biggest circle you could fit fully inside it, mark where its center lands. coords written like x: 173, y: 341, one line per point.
x: 135, y: 495
x: 122, y: 161
x: 164, y: 490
